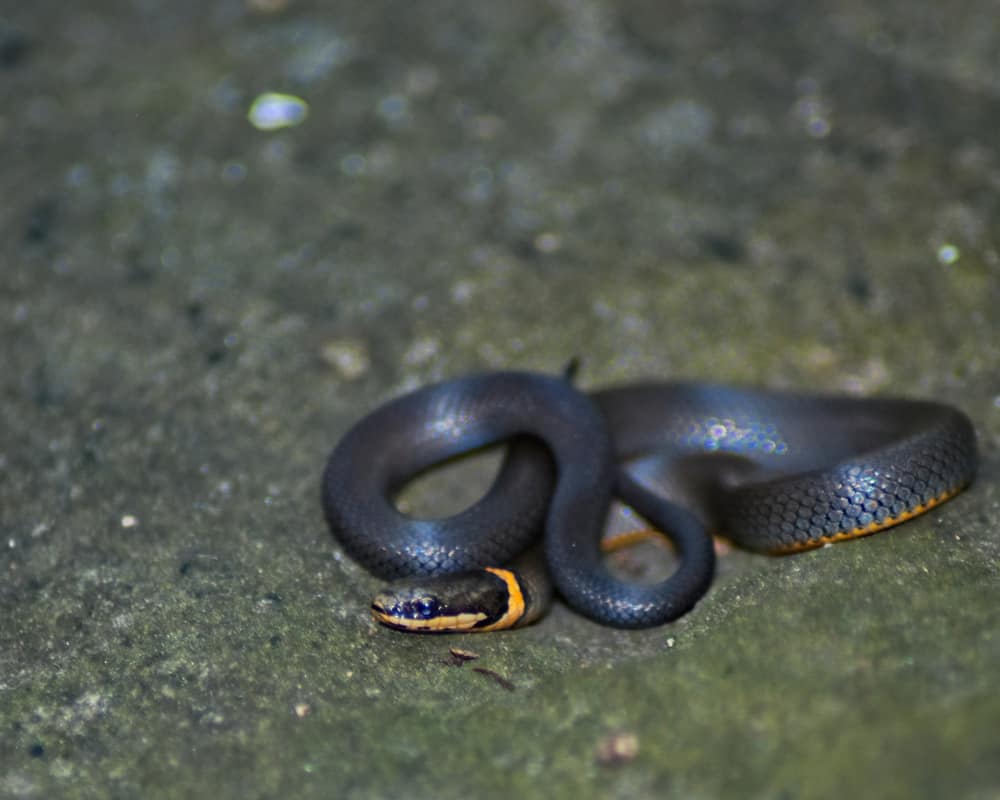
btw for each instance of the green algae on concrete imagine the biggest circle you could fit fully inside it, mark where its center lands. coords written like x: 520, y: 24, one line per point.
x: 192, y: 310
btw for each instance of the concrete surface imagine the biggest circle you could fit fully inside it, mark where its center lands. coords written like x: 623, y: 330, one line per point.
x: 193, y: 309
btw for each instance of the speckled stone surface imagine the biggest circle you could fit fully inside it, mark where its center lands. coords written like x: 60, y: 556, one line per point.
x: 193, y: 309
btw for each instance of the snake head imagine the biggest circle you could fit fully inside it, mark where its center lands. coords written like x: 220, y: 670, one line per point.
x: 467, y: 601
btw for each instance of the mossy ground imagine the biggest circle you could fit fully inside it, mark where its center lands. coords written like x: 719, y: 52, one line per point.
x: 192, y: 310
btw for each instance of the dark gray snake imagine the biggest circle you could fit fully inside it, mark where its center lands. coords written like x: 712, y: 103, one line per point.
x: 774, y: 472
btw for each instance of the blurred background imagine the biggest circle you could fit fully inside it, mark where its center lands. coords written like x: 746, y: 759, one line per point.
x: 229, y: 228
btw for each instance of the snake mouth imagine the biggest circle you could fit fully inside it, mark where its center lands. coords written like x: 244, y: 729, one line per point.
x: 452, y: 623
x: 386, y: 618
x: 392, y: 619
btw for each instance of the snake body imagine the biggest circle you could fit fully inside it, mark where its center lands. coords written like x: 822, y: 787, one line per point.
x: 774, y: 472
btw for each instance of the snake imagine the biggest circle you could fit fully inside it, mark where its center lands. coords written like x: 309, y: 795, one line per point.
x: 774, y: 472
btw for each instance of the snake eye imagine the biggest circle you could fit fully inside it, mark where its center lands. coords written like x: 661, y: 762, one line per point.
x: 426, y: 607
